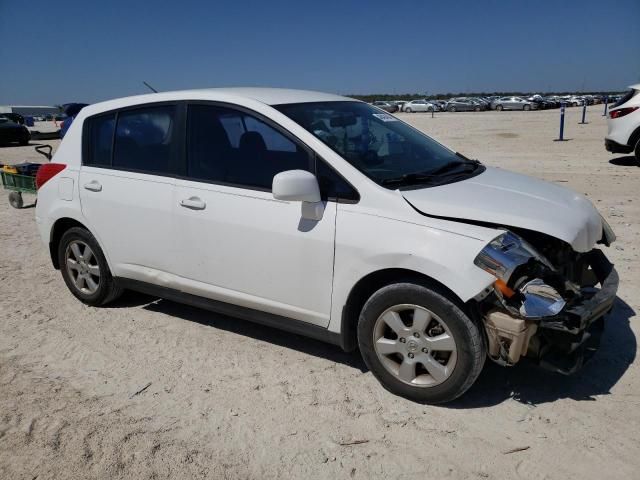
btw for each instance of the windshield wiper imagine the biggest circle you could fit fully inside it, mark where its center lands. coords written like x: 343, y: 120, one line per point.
x: 454, y: 167
x: 409, y: 179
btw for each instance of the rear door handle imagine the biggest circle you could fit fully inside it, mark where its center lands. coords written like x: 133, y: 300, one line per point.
x: 93, y: 186
x: 193, y: 203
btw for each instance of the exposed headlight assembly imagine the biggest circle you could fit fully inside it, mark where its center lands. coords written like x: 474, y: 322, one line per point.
x: 532, y: 298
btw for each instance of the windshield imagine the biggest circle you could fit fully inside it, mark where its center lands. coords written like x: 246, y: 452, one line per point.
x: 385, y: 149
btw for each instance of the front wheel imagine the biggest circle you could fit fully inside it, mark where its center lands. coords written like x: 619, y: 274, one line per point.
x: 526, y: 108
x: 452, y: 109
x: 477, y: 109
x: 408, y: 110
x: 84, y: 268
x: 419, y: 343
x: 499, y: 108
x: 637, y: 152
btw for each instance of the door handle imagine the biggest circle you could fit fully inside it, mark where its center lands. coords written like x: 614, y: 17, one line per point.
x: 193, y: 203
x: 93, y: 186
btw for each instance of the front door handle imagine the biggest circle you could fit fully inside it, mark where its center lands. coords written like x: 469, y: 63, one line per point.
x: 93, y: 186
x: 193, y: 203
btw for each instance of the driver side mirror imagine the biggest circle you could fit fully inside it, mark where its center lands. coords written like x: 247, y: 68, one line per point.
x: 299, y: 186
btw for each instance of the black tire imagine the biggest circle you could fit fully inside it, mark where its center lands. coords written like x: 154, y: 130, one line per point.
x: 24, y: 142
x: 107, y: 289
x: 452, y: 109
x: 526, y: 108
x: 499, y: 108
x: 636, y: 151
x: 471, y: 350
x: 15, y: 200
x: 477, y: 109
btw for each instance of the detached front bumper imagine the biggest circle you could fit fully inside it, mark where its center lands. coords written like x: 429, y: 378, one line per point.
x: 570, y: 338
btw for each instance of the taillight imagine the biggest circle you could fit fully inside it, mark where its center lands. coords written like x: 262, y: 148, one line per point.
x: 47, y: 171
x: 621, y: 112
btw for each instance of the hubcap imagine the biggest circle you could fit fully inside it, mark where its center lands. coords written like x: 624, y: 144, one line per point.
x: 82, y: 267
x: 415, y: 345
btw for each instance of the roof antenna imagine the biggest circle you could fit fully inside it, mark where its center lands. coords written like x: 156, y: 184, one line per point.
x: 150, y: 87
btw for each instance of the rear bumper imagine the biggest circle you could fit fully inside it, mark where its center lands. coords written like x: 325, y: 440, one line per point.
x: 571, y: 338
x: 615, y: 147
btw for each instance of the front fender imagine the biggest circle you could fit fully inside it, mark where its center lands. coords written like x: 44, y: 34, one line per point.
x: 444, y: 256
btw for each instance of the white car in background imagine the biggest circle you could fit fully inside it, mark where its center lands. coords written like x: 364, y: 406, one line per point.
x: 623, y: 123
x: 327, y: 217
x: 418, y: 106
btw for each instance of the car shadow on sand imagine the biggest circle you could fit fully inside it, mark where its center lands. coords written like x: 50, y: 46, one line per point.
x: 627, y: 161
x: 241, y: 327
x: 525, y: 383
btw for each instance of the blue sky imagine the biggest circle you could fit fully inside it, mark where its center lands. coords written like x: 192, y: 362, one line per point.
x: 58, y: 51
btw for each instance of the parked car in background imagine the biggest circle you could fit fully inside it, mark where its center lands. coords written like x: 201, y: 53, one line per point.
x: 386, y: 106
x: 463, y: 104
x: 482, y: 102
x: 440, y: 105
x: 322, y: 216
x: 418, y: 106
x: 512, y: 103
x: 12, y: 132
x: 623, y: 124
x: 14, y: 117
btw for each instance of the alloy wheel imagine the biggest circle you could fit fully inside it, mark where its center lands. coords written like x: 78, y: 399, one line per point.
x: 415, y: 345
x: 82, y: 267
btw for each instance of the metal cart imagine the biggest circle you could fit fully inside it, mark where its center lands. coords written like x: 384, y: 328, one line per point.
x: 18, y: 183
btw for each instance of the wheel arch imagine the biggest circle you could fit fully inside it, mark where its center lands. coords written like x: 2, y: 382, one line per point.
x: 57, y: 230
x: 372, y: 282
x: 634, y: 138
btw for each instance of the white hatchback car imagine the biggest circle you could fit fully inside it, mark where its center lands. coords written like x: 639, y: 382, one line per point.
x: 624, y: 124
x: 327, y: 217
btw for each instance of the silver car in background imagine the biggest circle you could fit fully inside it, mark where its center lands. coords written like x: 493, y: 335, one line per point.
x: 418, y: 106
x: 512, y: 103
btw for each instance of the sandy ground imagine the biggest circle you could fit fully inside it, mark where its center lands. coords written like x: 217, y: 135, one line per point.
x: 228, y: 399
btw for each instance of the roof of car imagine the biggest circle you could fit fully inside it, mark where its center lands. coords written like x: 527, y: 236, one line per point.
x: 268, y: 96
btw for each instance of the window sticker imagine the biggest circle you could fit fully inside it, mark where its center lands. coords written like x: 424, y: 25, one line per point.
x: 385, y: 117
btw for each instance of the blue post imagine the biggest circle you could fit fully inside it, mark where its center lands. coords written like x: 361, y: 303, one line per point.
x: 561, y: 139
x: 606, y: 105
x: 584, y: 112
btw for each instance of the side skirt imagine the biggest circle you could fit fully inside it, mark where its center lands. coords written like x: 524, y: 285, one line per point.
x: 276, y: 321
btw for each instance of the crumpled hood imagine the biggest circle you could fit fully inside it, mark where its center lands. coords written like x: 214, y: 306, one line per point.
x: 509, y: 199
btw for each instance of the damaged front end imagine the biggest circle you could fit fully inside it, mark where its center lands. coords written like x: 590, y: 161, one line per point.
x: 547, y: 302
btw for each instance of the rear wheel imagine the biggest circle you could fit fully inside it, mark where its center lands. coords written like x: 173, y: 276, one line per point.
x: 452, y: 109
x: 526, y: 108
x: 637, y: 152
x: 84, y: 268
x: 408, y: 110
x: 15, y: 200
x: 419, y: 344
x: 477, y: 109
x: 499, y: 108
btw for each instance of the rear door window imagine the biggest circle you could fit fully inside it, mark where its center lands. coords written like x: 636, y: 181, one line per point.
x: 144, y: 139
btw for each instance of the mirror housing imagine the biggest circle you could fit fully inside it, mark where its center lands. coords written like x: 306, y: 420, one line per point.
x: 297, y: 186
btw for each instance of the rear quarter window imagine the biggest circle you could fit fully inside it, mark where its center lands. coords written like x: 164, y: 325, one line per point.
x: 625, y: 98
x: 99, y: 140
